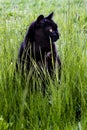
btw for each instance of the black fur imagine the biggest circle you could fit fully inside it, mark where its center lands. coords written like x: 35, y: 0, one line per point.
x: 39, y: 45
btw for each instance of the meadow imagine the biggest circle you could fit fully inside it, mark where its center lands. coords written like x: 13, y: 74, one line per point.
x: 21, y: 109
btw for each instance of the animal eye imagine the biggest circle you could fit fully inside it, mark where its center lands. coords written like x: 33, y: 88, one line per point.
x: 50, y: 30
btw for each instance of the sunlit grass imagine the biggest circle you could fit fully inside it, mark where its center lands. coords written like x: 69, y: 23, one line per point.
x: 22, y: 109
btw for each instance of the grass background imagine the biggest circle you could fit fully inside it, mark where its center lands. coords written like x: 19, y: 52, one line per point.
x: 20, y: 109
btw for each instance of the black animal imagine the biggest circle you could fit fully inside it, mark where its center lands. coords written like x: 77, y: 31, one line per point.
x: 39, y: 45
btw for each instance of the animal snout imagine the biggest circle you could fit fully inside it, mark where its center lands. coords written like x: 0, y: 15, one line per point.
x: 55, y: 36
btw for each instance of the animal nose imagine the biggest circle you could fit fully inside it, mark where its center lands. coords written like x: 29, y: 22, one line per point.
x: 57, y: 35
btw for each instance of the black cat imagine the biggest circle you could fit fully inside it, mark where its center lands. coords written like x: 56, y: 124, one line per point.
x: 39, y: 45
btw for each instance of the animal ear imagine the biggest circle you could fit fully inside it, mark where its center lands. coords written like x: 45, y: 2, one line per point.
x: 50, y: 16
x: 40, y: 18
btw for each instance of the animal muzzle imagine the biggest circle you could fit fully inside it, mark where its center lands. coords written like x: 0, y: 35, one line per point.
x: 54, y: 36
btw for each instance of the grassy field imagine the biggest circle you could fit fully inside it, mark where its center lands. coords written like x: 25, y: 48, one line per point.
x: 21, y: 109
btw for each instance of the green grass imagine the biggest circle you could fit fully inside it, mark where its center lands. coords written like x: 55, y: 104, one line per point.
x: 20, y: 109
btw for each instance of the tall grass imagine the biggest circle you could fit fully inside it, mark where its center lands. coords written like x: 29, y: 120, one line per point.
x: 22, y: 109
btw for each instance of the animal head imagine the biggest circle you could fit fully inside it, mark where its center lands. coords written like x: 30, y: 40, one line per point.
x: 44, y: 28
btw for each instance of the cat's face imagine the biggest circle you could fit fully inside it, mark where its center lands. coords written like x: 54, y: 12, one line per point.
x: 48, y: 27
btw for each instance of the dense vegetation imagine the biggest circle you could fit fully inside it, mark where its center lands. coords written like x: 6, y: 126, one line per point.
x: 21, y: 109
